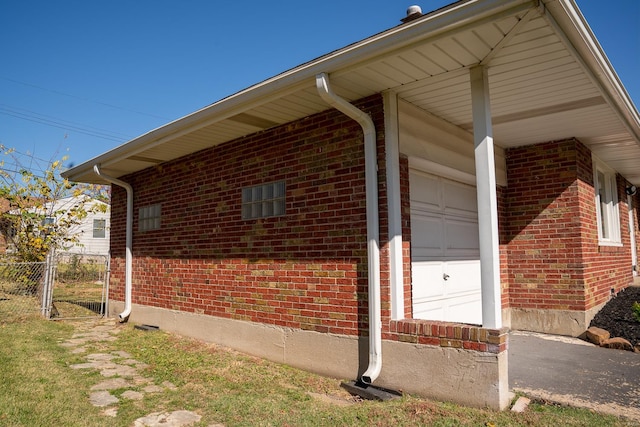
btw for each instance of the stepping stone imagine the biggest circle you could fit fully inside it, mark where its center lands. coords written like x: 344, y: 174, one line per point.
x: 74, y: 342
x: 118, y: 370
x: 102, y: 398
x: 111, y: 384
x: 170, y: 386
x: 123, y: 354
x: 110, y: 412
x: 132, y: 395
x: 166, y: 419
x: 88, y: 365
x: 153, y: 389
x: 139, y: 380
x: 100, y: 356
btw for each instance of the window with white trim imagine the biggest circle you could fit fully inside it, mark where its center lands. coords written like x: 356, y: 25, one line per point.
x: 149, y: 218
x: 606, y: 198
x: 99, y: 228
x: 263, y: 201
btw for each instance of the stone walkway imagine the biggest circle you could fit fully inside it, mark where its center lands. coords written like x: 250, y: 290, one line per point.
x: 121, y: 371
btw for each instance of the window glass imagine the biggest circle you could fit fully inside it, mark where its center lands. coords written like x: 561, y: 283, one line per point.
x: 99, y: 228
x: 606, y: 205
x: 263, y: 201
x: 149, y: 218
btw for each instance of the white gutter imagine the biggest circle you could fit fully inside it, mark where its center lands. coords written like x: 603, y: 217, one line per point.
x: 129, y: 239
x: 373, y: 245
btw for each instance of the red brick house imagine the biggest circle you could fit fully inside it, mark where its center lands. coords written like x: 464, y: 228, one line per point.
x: 387, y: 211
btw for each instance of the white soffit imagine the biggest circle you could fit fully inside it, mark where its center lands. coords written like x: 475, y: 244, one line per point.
x: 548, y: 80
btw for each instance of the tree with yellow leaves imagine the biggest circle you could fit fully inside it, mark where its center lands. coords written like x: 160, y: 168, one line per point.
x: 39, y: 209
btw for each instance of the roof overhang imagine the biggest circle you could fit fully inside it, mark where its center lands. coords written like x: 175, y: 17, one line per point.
x: 549, y: 80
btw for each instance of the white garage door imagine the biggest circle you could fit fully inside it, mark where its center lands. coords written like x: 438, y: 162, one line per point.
x: 445, y: 251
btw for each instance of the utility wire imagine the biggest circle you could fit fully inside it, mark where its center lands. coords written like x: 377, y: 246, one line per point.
x: 82, y: 99
x: 58, y: 123
x: 24, y: 111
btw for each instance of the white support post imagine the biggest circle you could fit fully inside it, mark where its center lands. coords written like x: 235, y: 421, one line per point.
x: 487, y: 199
x: 392, y: 149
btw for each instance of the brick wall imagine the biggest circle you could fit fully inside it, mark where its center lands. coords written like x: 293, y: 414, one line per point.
x: 550, y: 229
x: 503, y: 235
x: 306, y: 269
x: 405, y: 209
x: 607, y: 268
x: 636, y: 222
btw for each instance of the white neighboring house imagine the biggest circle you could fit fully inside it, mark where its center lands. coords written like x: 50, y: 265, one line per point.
x: 93, y: 231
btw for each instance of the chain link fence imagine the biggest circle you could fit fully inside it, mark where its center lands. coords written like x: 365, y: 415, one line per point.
x: 65, y: 286
x: 21, y: 289
x: 80, y: 286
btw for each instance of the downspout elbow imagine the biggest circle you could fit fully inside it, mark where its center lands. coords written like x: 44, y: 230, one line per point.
x: 373, y: 245
x: 123, y: 317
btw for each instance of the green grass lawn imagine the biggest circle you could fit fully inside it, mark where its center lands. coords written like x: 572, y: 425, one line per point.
x: 38, y: 388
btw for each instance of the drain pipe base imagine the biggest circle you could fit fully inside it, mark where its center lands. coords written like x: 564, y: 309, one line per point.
x: 370, y: 392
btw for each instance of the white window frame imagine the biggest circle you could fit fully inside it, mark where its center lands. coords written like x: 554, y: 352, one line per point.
x: 605, y: 188
x: 100, y: 229
x: 149, y: 217
x: 264, y: 200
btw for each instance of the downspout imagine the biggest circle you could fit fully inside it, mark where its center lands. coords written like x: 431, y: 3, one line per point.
x: 129, y: 239
x: 373, y: 246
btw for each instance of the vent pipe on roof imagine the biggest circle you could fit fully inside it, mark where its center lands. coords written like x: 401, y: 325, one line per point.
x: 129, y: 240
x: 413, y: 12
x: 373, y: 244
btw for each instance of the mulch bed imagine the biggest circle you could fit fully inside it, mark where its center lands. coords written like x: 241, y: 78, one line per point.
x: 617, y: 316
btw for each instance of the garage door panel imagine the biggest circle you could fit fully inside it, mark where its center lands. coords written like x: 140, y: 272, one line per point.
x: 429, y: 275
x: 466, y: 308
x: 425, y: 194
x: 428, y: 310
x: 444, y: 250
x: 461, y: 276
x: 428, y: 233
x: 460, y: 199
x: 462, y: 235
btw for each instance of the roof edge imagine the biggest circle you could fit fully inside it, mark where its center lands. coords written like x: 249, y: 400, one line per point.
x: 428, y: 26
x: 575, y: 27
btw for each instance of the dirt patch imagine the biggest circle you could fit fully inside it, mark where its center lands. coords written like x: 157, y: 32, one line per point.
x: 617, y: 316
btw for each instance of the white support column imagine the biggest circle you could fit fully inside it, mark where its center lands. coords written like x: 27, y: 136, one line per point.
x: 392, y: 148
x: 487, y: 199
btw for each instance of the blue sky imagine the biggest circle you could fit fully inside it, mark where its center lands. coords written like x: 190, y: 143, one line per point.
x: 80, y: 77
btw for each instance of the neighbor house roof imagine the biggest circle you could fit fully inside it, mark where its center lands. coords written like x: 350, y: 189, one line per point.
x: 549, y: 79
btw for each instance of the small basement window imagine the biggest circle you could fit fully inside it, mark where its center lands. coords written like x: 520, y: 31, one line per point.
x: 263, y: 201
x: 149, y: 218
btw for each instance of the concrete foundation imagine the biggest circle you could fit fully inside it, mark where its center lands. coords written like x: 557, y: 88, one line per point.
x: 449, y: 374
x: 556, y: 322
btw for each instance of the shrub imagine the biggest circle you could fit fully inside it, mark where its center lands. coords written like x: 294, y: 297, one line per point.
x: 636, y: 310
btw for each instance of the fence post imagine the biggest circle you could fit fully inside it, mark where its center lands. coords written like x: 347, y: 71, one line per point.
x: 107, y: 277
x: 47, y: 292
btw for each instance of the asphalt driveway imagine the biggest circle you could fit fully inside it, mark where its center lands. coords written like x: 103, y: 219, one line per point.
x: 573, y: 372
